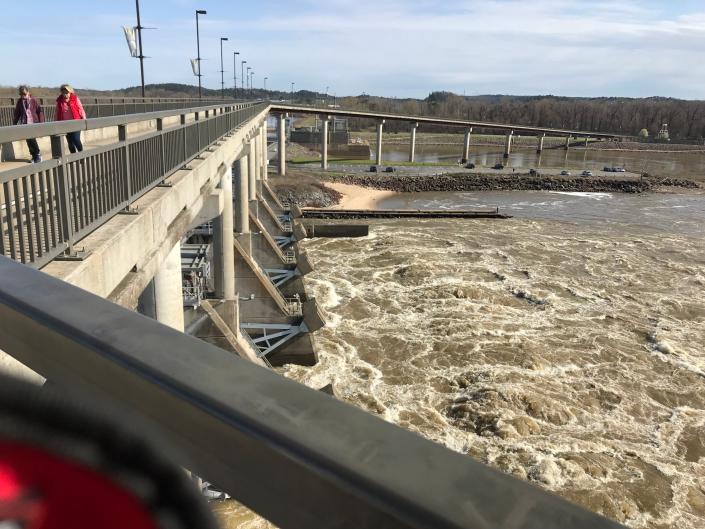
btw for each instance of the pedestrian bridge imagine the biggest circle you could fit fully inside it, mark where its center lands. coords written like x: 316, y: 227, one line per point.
x: 93, y: 242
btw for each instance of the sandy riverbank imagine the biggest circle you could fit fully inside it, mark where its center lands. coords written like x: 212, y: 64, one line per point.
x: 358, y: 197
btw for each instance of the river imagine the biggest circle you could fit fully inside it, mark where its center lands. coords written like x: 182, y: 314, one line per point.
x: 657, y: 163
x: 563, y: 346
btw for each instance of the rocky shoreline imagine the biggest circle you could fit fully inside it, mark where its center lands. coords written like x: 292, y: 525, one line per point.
x: 402, y: 183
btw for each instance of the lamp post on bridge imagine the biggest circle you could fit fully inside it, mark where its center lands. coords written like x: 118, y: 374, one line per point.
x: 139, y: 36
x: 265, y: 83
x: 292, y: 93
x: 222, y: 69
x: 198, y: 50
x: 242, y: 77
x: 235, y: 54
x: 252, y: 85
x: 247, y: 81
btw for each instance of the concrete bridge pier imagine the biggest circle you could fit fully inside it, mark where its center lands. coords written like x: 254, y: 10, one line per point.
x: 380, y: 129
x: 223, y: 252
x: 264, y: 152
x: 466, y: 146
x: 541, y: 138
x: 587, y: 141
x: 508, y: 144
x: 242, y: 203
x: 412, y: 144
x: 567, y: 143
x: 281, y: 137
x: 168, y: 298
x: 252, y: 174
x: 324, y: 142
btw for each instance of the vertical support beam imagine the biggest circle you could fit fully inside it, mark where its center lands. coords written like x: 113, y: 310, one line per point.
x: 242, y: 195
x: 167, y: 291
x: 146, y: 304
x: 508, y: 144
x: 542, y: 137
x: 252, y: 171
x: 587, y: 141
x: 412, y: 142
x: 380, y: 129
x: 223, y: 252
x: 324, y: 142
x: 466, y: 146
x: 281, y: 136
x: 567, y: 142
x: 265, y: 150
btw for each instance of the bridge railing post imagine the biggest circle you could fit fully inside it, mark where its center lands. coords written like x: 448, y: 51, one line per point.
x: 182, y: 121
x: 125, y: 148
x: 162, y: 148
x: 65, y: 206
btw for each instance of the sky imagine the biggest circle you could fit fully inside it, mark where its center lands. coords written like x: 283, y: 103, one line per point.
x: 390, y: 48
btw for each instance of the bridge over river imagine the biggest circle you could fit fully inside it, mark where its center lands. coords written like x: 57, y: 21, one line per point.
x: 166, y: 194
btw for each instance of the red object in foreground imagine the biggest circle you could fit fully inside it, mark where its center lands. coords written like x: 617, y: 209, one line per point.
x: 39, y: 490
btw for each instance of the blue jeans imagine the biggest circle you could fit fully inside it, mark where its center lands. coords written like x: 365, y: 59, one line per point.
x: 74, y: 141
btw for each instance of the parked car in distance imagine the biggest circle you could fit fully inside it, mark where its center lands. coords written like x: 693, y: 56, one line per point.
x: 608, y: 169
x: 470, y: 166
x: 619, y: 169
x: 390, y: 169
x: 565, y: 173
x: 498, y: 166
x: 586, y: 173
x: 373, y: 168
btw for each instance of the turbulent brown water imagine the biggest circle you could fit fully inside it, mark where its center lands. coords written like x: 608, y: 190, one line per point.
x: 564, y: 347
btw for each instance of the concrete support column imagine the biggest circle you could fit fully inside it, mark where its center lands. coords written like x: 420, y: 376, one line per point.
x: 168, y: 298
x: 265, y: 151
x: 380, y: 128
x: 252, y: 170
x: 508, y: 144
x: 223, y: 252
x: 587, y: 141
x: 466, y: 146
x: 567, y: 143
x: 242, y: 195
x: 539, y: 149
x: 281, y: 136
x: 412, y: 143
x: 324, y: 142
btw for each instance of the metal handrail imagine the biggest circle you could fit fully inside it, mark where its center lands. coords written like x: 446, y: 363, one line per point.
x: 51, y: 205
x: 296, y: 456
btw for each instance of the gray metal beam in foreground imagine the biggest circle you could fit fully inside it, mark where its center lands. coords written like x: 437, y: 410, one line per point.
x: 298, y: 457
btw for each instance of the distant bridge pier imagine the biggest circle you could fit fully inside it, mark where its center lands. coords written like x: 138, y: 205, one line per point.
x: 324, y: 142
x: 541, y: 138
x: 567, y: 142
x: 168, y: 297
x: 380, y: 129
x: 508, y: 144
x: 281, y: 136
x: 466, y: 146
x: 587, y: 141
x: 412, y: 142
x: 223, y: 252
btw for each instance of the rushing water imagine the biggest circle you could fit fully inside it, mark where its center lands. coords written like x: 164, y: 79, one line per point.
x: 658, y: 163
x: 563, y: 346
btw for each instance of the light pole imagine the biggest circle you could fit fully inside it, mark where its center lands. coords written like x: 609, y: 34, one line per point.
x: 198, y: 49
x: 222, y: 69
x: 139, y: 36
x: 247, y: 81
x: 242, y: 77
x: 325, y: 99
x: 265, y: 83
x: 292, y: 93
x: 235, y: 54
x: 252, y: 85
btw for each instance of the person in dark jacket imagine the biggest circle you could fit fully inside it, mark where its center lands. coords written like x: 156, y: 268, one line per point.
x: 68, y: 106
x: 28, y: 111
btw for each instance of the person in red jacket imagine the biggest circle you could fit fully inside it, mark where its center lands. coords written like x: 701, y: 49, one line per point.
x: 28, y: 111
x: 68, y: 106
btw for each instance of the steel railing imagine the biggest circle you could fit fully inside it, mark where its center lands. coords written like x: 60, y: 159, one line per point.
x: 46, y: 207
x: 99, y: 107
x: 296, y: 456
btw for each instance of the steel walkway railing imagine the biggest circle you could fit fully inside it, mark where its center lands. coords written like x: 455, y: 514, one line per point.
x: 46, y: 207
x: 296, y: 456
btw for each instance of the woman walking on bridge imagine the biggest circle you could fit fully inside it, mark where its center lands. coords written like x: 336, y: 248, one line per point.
x: 28, y: 111
x: 68, y: 106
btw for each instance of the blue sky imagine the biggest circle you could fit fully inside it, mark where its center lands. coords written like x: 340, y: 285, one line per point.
x: 383, y: 47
